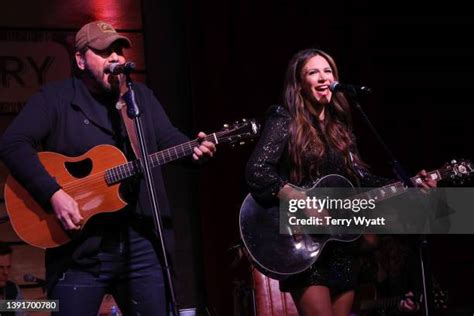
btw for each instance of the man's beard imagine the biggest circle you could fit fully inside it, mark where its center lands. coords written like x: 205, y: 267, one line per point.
x: 112, y: 89
x: 114, y: 82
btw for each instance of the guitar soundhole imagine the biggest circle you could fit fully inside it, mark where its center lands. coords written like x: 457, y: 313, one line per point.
x: 79, y: 169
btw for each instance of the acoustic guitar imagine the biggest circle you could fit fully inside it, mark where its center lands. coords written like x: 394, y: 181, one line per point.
x: 368, y: 303
x: 279, y: 256
x: 96, y: 187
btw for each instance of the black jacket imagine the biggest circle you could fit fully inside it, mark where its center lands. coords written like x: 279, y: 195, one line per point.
x: 64, y: 117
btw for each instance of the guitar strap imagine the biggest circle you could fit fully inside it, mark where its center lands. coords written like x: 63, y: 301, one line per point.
x: 356, y: 169
x: 130, y: 128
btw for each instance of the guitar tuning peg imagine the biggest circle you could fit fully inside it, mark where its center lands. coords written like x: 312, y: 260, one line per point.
x: 454, y: 161
x: 244, y: 120
x: 226, y: 125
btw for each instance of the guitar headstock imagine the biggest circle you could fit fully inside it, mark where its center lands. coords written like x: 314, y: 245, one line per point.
x: 459, y: 170
x: 238, y: 132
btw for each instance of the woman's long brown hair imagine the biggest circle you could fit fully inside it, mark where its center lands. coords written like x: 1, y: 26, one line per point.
x: 306, y: 148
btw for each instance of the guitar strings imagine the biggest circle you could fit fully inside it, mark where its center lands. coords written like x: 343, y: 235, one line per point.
x: 100, y: 176
x: 166, y: 153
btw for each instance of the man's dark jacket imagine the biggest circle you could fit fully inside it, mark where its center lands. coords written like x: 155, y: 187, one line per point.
x: 65, y: 118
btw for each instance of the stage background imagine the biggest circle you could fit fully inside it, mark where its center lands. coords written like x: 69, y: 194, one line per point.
x: 212, y: 62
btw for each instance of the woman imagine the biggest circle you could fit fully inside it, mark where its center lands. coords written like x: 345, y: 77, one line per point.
x: 307, y: 137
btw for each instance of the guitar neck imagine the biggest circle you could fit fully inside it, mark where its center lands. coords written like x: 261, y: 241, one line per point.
x: 385, y: 303
x: 132, y: 168
x: 397, y: 188
x: 381, y: 304
x: 439, y: 301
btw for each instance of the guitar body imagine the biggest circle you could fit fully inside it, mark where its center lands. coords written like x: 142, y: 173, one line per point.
x: 39, y: 227
x: 93, y: 181
x: 277, y: 255
x: 367, y: 301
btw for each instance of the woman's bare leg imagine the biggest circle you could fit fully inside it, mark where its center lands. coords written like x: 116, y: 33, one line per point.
x: 342, y: 304
x: 314, y: 300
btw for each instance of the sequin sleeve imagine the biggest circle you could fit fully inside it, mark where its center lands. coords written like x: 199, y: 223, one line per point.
x: 263, y: 173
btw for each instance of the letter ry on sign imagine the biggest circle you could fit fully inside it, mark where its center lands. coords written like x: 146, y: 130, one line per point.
x: 25, y: 66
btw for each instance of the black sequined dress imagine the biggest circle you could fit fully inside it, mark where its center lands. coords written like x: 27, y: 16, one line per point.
x: 268, y: 171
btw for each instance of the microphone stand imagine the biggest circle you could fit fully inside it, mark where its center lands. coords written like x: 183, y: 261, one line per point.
x: 400, y: 172
x: 134, y: 113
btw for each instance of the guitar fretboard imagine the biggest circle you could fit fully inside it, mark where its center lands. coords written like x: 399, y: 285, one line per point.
x: 381, y: 304
x: 439, y: 301
x: 132, y: 168
x: 397, y: 188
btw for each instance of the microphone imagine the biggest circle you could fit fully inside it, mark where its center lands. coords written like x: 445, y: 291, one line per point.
x: 116, y: 68
x: 31, y: 278
x: 351, y: 90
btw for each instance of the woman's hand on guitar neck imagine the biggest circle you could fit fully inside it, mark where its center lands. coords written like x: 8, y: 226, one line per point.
x: 66, y: 210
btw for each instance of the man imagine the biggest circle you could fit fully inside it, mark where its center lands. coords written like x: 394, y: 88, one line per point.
x: 114, y: 252
x: 391, y: 272
x: 8, y: 289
